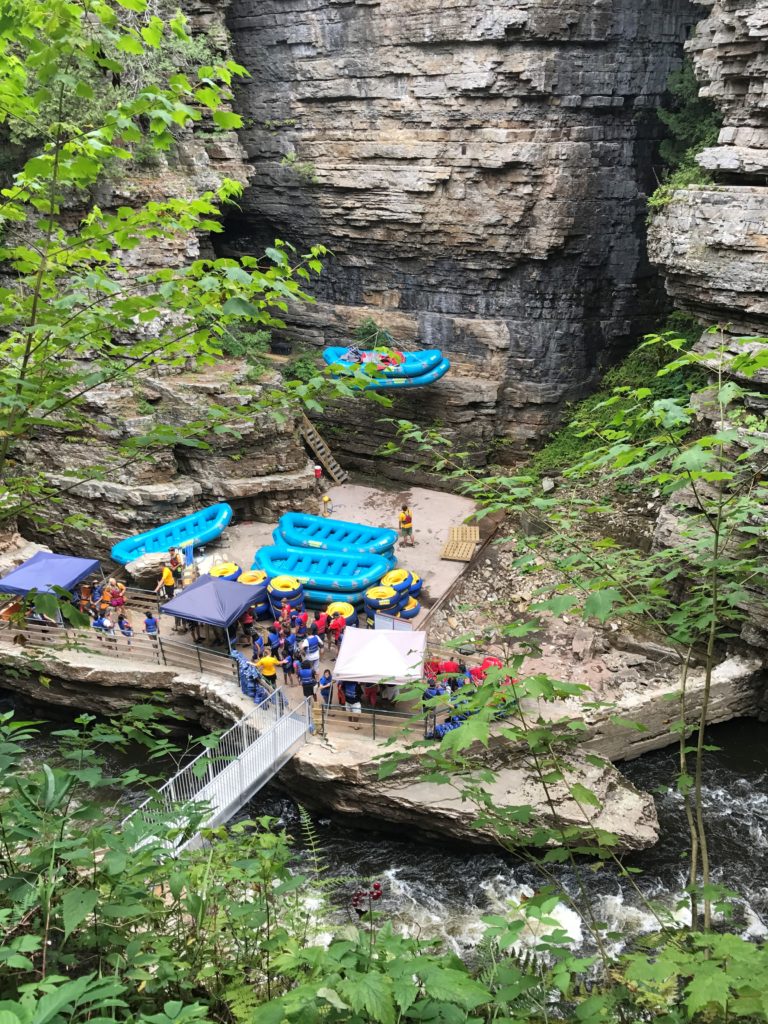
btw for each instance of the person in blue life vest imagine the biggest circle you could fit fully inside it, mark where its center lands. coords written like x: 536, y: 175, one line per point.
x: 258, y: 646
x: 125, y: 627
x: 311, y: 647
x: 326, y: 686
x: 353, y: 698
x: 434, y: 689
x: 308, y: 680
x: 274, y: 639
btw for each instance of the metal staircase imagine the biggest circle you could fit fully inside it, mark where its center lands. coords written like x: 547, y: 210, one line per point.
x: 322, y: 452
x: 212, y: 788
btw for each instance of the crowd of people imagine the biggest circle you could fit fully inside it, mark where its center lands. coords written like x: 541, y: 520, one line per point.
x: 294, y: 645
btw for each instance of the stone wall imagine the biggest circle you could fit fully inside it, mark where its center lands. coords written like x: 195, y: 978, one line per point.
x: 479, y: 171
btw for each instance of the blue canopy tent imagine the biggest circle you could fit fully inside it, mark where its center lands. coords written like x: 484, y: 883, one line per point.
x: 44, y: 571
x: 212, y: 601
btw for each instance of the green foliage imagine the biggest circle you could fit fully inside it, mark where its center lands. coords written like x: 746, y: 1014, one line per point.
x: 370, y: 334
x: 640, y: 369
x: 80, y: 308
x: 693, y: 123
x: 243, y: 344
x: 695, y: 592
x: 687, y: 174
x: 302, y: 367
x: 305, y: 171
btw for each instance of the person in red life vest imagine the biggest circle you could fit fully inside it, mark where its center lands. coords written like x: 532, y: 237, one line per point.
x: 405, y: 520
x: 246, y: 621
x: 285, y: 611
x: 337, y: 627
x: 321, y: 622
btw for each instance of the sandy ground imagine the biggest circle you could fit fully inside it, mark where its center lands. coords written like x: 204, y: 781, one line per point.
x: 434, y: 512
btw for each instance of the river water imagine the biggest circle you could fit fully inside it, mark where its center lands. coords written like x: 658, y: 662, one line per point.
x: 436, y: 890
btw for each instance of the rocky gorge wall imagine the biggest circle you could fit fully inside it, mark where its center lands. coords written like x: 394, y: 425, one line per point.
x: 262, y: 472
x: 711, y: 241
x: 479, y: 171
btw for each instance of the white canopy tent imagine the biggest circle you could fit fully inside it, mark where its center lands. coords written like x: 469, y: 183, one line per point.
x: 381, y: 656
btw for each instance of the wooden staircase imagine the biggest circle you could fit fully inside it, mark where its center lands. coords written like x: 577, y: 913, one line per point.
x: 321, y: 451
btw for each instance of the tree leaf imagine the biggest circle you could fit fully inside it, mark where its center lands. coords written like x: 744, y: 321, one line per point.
x: 583, y: 795
x: 227, y: 120
x: 600, y: 603
x: 76, y: 906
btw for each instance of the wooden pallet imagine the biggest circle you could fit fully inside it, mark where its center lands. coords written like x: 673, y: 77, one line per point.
x: 468, y: 533
x: 458, y: 550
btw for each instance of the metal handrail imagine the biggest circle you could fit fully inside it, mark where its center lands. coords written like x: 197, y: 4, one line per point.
x: 156, y: 649
x: 246, y: 757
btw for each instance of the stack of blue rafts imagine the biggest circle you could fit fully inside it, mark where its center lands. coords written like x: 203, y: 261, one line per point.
x: 332, y: 559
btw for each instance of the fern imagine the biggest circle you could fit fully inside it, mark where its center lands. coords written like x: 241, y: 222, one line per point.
x: 312, y: 844
x: 242, y: 1002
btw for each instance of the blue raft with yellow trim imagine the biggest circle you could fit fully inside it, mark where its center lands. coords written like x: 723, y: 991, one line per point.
x: 300, y: 530
x: 331, y: 571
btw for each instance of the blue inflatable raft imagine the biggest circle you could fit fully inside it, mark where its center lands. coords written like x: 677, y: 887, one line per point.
x: 299, y: 530
x: 417, y: 370
x: 327, y: 571
x: 196, y: 529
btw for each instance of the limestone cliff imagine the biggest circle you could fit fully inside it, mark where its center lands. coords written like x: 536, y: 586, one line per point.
x: 478, y: 169
x: 712, y: 241
x: 262, y: 471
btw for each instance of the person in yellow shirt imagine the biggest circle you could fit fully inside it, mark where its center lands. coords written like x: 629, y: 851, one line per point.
x: 166, y: 582
x: 268, y: 666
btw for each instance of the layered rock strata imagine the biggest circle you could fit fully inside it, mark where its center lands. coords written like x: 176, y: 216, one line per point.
x: 262, y: 471
x: 712, y: 241
x: 341, y: 777
x: 479, y: 172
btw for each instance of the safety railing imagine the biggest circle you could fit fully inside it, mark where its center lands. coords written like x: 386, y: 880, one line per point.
x: 156, y: 650
x: 219, y: 782
x: 373, y: 723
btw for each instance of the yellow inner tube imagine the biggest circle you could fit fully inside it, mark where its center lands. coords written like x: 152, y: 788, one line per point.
x: 395, y: 576
x: 381, y: 593
x: 252, y: 576
x: 411, y: 605
x: 415, y: 578
x: 342, y: 607
x: 284, y: 583
x: 225, y: 569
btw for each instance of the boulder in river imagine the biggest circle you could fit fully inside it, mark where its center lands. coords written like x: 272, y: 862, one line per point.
x: 343, y: 779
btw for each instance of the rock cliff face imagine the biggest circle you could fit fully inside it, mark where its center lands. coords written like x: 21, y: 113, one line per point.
x: 262, y: 472
x: 712, y: 241
x: 479, y: 171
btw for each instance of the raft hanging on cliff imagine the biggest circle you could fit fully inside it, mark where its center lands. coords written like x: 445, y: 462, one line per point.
x: 196, y: 529
x: 410, y: 370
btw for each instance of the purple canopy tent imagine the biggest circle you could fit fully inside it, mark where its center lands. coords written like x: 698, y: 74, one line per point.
x: 44, y: 571
x: 212, y: 601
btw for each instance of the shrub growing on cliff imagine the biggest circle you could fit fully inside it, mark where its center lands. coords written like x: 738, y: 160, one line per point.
x: 693, y: 123
x: 82, y: 308
x: 640, y: 369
